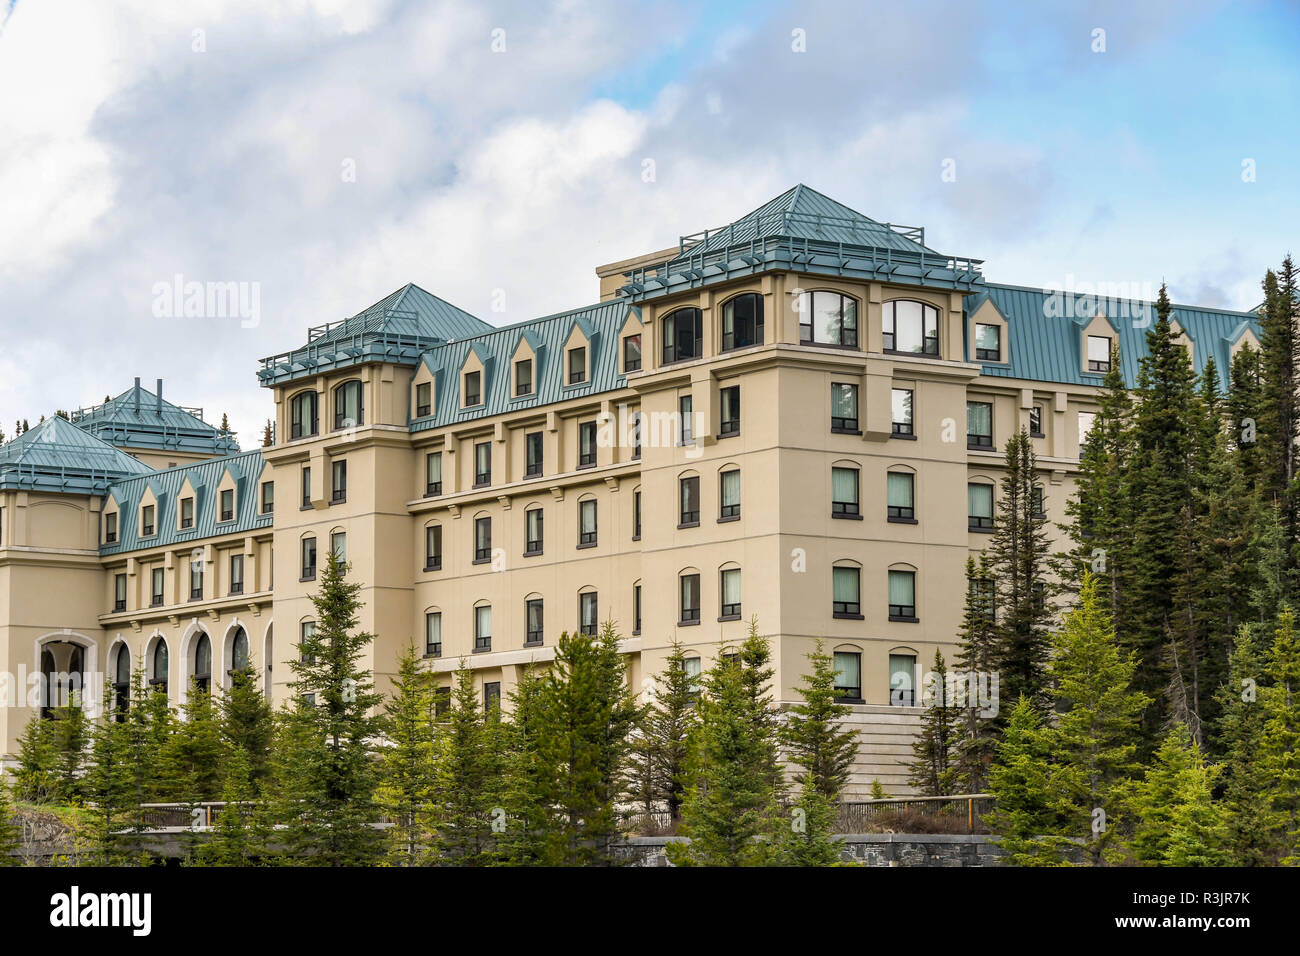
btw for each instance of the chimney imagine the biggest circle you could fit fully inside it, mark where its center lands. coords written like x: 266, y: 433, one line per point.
x: 136, y: 395
x: 159, y: 397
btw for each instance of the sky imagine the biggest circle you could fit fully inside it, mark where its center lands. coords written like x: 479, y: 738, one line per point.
x: 322, y: 153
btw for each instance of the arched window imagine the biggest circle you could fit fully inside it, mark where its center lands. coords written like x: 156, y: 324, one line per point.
x: 304, y: 419
x: 122, y: 680
x: 742, y: 321
x: 911, y: 328
x: 683, y: 335
x: 47, y: 684
x: 203, y: 663
x: 239, y: 652
x: 160, y: 666
x: 347, y: 405
x: 828, y: 318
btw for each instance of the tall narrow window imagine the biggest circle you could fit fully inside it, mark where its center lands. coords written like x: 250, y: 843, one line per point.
x: 636, y: 609
x: 844, y: 492
x: 1036, y: 506
x: 119, y: 592
x: 632, y: 353
x: 160, y: 664
x: 899, y: 493
x: 577, y: 366
x: 742, y: 321
x: 689, y: 515
x: 729, y: 494
x: 902, y: 595
x: 682, y: 335
x: 902, y: 680
x: 730, y: 418
x: 979, y: 424
x: 533, y: 621
x: 306, y: 486
x: 844, y: 407
x: 227, y: 505
x: 473, y: 389
x: 533, y: 541
x: 848, y: 676
x: 847, y: 595
x: 339, y: 480
x: 686, y: 420
x: 587, y: 613
x: 636, y: 516
x: 532, y: 454
x: 482, y: 540
x: 586, y: 444
x: 587, y: 523
x: 423, y: 399
x: 491, y: 697
x: 347, y: 405
x: 308, y: 558
x: 828, y: 318
x: 433, y: 547
x: 303, y: 418
x: 306, y: 636
x: 122, y: 681
x: 239, y: 652
x: 236, y: 574
x: 1036, y: 422
x: 339, y: 546
x: 433, y: 474
x: 911, y: 328
x: 979, y: 509
x: 988, y: 343
x: 483, y: 628
x: 636, y: 435
x: 157, y: 577
x: 196, y: 579
x: 902, y: 413
x: 147, y: 527
x: 730, y: 591
x: 482, y: 464
x: 433, y: 634
x: 110, y: 528
x: 203, y: 664
x: 268, y: 497
x: 187, y: 513
x: 523, y: 377
x: 690, y: 599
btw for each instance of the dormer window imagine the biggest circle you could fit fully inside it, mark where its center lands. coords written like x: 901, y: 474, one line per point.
x: 110, y: 528
x: 742, y: 321
x: 523, y: 378
x: 423, y: 399
x: 147, y: 520
x: 473, y: 389
x: 347, y: 405
x: 911, y: 328
x: 187, y: 513
x: 577, y: 366
x: 228, y: 505
x: 683, y: 336
x: 1098, y: 353
x: 632, y: 353
x: 303, y: 415
x: 988, y: 343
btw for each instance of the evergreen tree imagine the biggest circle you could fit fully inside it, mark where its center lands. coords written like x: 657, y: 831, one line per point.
x: 1177, y: 822
x: 468, y: 790
x: 667, y: 726
x: 1020, y: 554
x: 239, y: 837
x: 10, y: 831
x: 109, y: 787
x: 1279, y: 757
x: 933, y: 771
x: 267, y: 436
x: 247, y: 724
x: 1279, y: 408
x: 194, y: 755
x: 977, y: 670
x: 69, y: 738
x: 1242, y: 407
x: 808, y: 838
x: 1247, y: 793
x: 225, y: 423
x: 812, y: 734
x: 329, y: 773
x: 528, y: 776
x: 1029, y: 814
x: 36, y: 778
x: 407, y: 774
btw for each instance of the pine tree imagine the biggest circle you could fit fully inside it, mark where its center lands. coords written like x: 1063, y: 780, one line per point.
x: 468, y: 790
x: 812, y: 734
x: 329, y: 773
x: 1279, y: 756
x: 933, y: 771
x: 661, y: 743
x: 1028, y: 815
x: 194, y: 755
x: 1279, y: 409
x: 36, y: 779
x: 10, y: 830
x: 528, y: 776
x: 1247, y: 793
x: 69, y: 736
x: 1019, y: 555
x: 1242, y: 406
x: 1093, y: 742
x: 407, y: 773
x: 247, y: 724
x: 267, y: 435
x: 1177, y: 822
x: 239, y: 837
x: 808, y: 838
x: 109, y: 787
x: 977, y: 672
x: 225, y: 423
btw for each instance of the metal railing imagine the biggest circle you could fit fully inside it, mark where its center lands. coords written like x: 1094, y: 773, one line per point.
x: 957, y: 813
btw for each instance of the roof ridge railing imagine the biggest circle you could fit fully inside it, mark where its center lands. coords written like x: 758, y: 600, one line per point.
x: 315, y: 332
x: 314, y: 350
x: 690, y: 240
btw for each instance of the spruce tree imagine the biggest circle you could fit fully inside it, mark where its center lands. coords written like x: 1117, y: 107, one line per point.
x: 109, y: 787
x: 69, y: 736
x: 329, y: 774
x: 933, y: 771
x: 977, y: 670
x: 1176, y: 821
x: 247, y: 724
x: 407, y: 771
x: 662, y: 742
x: 528, y: 776
x: 808, y: 839
x: 1279, y: 409
x: 1247, y: 793
x: 10, y: 830
x: 813, y: 735
x: 238, y: 837
x: 1279, y: 757
x: 267, y: 439
x: 1029, y: 813
x: 468, y: 792
x: 194, y: 755
x: 36, y: 779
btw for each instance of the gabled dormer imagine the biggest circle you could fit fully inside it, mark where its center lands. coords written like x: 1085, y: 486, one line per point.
x: 111, y: 526
x: 579, y: 353
x: 1239, y: 338
x: 227, y: 499
x: 423, y: 391
x: 630, y: 339
x: 149, y: 511
x: 988, y: 335
x: 526, y: 365
x: 1182, y: 338
x: 475, y: 373
x: 1098, y: 338
x: 188, y: 503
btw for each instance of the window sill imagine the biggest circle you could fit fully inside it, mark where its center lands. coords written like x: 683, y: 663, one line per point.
x: 586, y: 466
x: 307, y: 578
x: 483, y: 650
x: 913, y: 355
x: 905, y: 620
x: 847, y: 517
x: 532, y: 554
x: 429, y: 656
x: 338, y: 501
x: 895, y: 520
x: 433, y: 567
x: 981, y: 530
x: 235, y: 592
x: 687, y: 524
x: 729, y: 617
x: 305, y: 508
x: 988, y: 447
x: 903, y: 437
x: 636, y: 537
x: 533, y: 474
x: 1037, y: 434
x: 723, y: 435
x: 480, y: 484
x: 589, y: 544
x: 843, y: 616
x: 636, y: 632
x: 688, y: 623
x: 846, y: 431
x: 849, y: 700
x: 830, y: 345
x: 481, y: 561
x: 724, y: 519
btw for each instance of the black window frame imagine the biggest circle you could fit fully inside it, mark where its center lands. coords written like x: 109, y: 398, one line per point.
x: 690, y: 320
x: 576, y: 376
x: 187, y: 504
x: 268, y: 497
x: 148, y: 521
x: 902, y: 612
x: 975, y: 440
x: 687, y: 518
x: 433, y: 547
x: 536, y: 545
x: 534, y: 464
x: 432, y: 488
x: 431, y: 648
x: 523, y: 383
x: 981, y: 522
x: 986, y: 354
x: 482, y: 478
x: 588, y: 599
x: 534, y: 636
x: 588, y: 539
x: 727, y: 611
x: 752, y: 324
x: 482, y: 542
x: 338, y: 480
x: 586, y: 444
x: 298, y: 423
x: 157, y: 587
x: 1036, y: 422
x: 629, y: 364
x: 889, y: 329
x: 848, y: 509
x: 729, y: 426
x: 119, y: 592
x: 473, y: 399
x: 727, y: 511
x: 688, y: 615
x: 423, y: 399
x: 340, y: 412
x: 236, y: 581
x: 808, y: 309
x: 307, y: 558
x: 844, y: 692
x: 901, y: 512
x: 840, y: 424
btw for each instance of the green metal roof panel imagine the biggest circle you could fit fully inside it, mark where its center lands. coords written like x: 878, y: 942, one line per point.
x: 58, y: 456
x: 1045, y: 332
x: 139, y: 418
x: 245, y: 468
x: 547, y: 337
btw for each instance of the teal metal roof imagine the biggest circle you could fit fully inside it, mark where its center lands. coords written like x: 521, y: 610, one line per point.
x: 804, y: 231
x: 139, y: 418
x: 600, y: 323
x: 1045, y: 327
x: 58, y: 456
x: 397, y: 328
x: 245, y: 468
